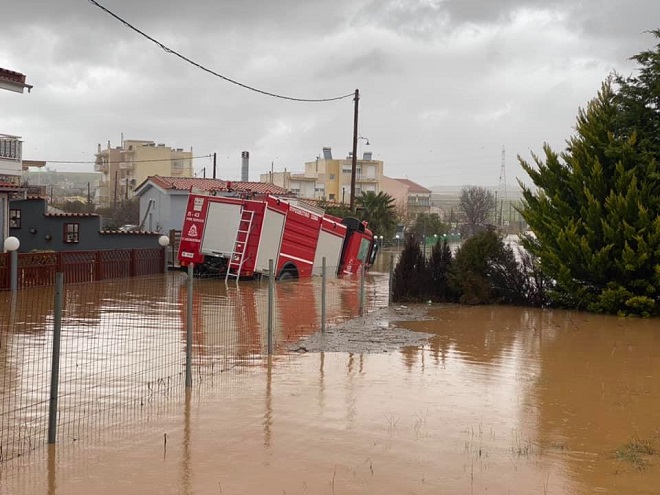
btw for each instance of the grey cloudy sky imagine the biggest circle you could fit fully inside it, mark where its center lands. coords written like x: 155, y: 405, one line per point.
x: 444, y: 84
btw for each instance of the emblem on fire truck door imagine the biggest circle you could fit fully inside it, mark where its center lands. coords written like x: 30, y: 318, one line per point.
x: 192, y: 231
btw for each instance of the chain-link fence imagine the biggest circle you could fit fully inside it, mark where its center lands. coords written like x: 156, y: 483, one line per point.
x: 86, y: 356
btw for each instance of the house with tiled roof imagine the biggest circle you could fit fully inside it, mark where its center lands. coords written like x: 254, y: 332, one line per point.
x: 410, y: 198
x: 163, y: 200
x: 38, y: 226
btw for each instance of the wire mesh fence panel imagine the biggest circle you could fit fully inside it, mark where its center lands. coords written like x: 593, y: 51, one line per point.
x: 25, y: 351
x: 122, y: 348
x: 228, y: 322
x: 123, y: 344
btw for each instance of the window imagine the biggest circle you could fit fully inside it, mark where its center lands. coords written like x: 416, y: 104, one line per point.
x: 332, y: 176
x: 71, y: 233
x: 364, y: 250
x: 332, y: 197
x: 14, y: 219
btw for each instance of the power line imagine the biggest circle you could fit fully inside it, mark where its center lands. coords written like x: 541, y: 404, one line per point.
x: 130, y: 161
x: 205, y: 69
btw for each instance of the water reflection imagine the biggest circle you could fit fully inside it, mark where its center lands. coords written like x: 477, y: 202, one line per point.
x: 501, y: 400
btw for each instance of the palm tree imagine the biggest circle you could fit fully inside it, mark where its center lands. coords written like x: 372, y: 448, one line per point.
x: 379, y: 211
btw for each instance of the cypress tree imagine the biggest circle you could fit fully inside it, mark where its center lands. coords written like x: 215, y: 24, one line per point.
x: 595, y: 214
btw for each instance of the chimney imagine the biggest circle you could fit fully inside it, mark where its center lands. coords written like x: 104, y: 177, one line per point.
x: 327, y: 153
x: 245, y: 166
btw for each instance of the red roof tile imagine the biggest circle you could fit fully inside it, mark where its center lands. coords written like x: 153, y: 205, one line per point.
x: 413, y: 187
x: 186, y: 183
x: 76, y: 215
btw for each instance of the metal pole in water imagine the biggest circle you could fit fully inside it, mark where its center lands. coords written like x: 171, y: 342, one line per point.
x: 189, y: 325
x: 361, y: 290
x: 13, y: 284
x: 389, y: 292
x: 271, y: 293
x: 55, y: 365
x: 323, y: 293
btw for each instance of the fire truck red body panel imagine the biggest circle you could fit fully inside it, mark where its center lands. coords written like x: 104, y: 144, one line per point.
x: 238, y: 236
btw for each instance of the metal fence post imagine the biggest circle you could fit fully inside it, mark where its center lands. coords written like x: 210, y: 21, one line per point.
x: 390, y: 288
x: 189, y: 324
x: 271, y: 293
x: 361, y: 290
x: 55, y: 365
x: 324, y: 279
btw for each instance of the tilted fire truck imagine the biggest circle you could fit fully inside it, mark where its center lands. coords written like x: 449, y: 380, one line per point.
x: 235, y: 237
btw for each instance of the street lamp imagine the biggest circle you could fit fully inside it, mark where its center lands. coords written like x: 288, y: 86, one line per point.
x: 397, y: 241
x: 12, y: 244
x: 164, y: 241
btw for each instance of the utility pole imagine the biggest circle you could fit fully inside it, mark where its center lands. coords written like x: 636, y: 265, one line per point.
x: 354, y: 157
x: 115, y: 202
x: 214, y: 166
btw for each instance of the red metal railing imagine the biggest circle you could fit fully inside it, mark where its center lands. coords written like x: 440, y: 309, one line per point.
x: 39, y: 269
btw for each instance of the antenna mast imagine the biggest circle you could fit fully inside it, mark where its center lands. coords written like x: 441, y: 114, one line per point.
x: 501, y: 188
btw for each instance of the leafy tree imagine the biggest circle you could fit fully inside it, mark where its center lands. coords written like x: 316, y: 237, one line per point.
x: 595, y: 214
x: 428, y: 224
x: 338, y: 210
x: 379, y: 211
x: 77, y: 207
x: 126, y: 213
x: 477, y: 203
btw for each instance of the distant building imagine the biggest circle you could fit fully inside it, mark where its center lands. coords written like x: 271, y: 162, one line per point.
x: 126, y: 166
x: 11, y: 156
x: 410, y: 198
x: 329, y: 178
x: 163, y: 200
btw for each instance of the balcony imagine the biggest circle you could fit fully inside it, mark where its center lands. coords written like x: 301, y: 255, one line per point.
x: 365, y: 180
x: 10, y: 148
x: 126, y: 165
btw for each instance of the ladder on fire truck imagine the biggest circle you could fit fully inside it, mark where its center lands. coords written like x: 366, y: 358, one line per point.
x: 237, y: 257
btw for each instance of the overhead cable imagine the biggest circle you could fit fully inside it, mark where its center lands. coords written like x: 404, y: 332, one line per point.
x: 205, y: 69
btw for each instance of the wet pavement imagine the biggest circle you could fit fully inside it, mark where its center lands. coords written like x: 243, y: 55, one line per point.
x: 491, y: 400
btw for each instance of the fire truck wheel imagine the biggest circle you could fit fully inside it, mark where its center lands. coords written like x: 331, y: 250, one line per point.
x: 287, y: 275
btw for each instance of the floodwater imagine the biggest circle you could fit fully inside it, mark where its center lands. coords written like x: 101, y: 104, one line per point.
x: 500, y: 400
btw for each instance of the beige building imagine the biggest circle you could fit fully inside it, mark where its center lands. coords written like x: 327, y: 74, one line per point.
x: 330, y: 178
x: 124, y: 167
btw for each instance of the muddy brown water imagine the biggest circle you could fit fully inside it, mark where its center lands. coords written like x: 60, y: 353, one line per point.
x: 499, y: 400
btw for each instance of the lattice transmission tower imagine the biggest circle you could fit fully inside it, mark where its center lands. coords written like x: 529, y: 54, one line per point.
x: 501, y: 195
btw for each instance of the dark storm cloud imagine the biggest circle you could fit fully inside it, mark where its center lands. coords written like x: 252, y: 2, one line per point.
x: 439, y: 79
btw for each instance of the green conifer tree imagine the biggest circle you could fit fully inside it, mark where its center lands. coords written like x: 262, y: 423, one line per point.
x: 595, y: 215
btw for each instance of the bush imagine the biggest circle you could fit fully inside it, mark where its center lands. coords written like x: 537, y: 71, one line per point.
x: 410, y: 280
x: 440, y: 266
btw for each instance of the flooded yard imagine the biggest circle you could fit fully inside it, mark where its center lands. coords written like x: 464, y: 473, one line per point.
x: 490, y: 400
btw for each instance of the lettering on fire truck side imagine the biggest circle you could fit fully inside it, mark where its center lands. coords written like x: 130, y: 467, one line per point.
x: 303, y: 213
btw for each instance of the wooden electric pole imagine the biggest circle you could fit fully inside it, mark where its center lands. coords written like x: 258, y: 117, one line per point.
x: 354, y: 155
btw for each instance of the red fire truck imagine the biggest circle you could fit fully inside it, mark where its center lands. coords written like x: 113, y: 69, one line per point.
x: 237, y: 236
